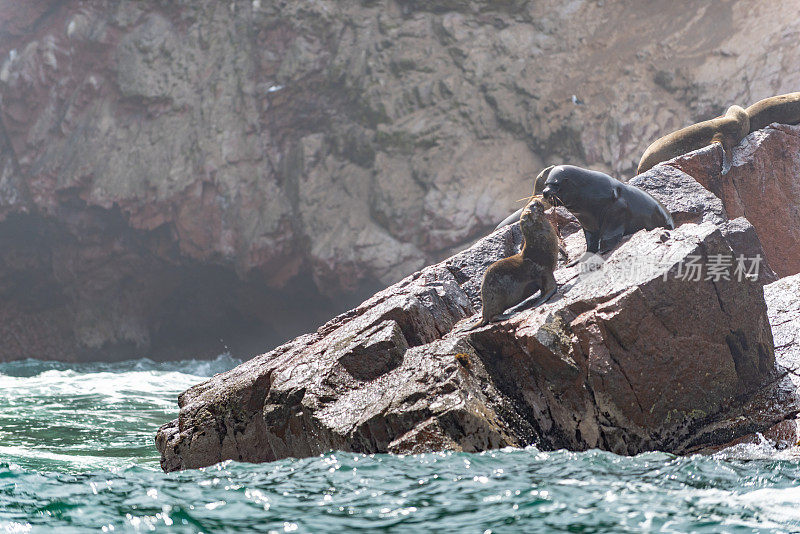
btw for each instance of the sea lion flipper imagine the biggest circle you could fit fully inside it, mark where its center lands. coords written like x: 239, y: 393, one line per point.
x: 592, y: 240
x: 477, y: 323
x: 544, y: 297
x: 511, y: 219
x: 611, y: 237
x: 549, y: 287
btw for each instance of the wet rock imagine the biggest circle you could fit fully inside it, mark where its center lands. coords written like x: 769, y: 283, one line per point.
x: 624, y: 359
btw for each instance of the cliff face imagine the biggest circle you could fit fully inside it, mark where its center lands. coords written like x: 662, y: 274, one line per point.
x: 182, y: 177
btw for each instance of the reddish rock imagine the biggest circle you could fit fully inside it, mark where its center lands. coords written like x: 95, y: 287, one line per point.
x: 763, y: 186
x: 689, y: 201
x: 626, y: 359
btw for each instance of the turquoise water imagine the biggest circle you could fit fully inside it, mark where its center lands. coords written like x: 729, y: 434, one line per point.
x: 77, y: 455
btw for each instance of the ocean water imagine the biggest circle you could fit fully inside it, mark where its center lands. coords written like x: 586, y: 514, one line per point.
x: 77, y: 455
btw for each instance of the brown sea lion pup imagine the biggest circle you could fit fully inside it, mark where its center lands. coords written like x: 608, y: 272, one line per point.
x: 606, y: 208
x: 726, y: 130
x: 784, y: 109
x: 512, y: 280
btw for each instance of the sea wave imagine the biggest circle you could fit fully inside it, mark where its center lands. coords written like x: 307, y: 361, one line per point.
x: 77, y: 454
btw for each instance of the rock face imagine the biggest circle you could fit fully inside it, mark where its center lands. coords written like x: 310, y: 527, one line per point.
x: 761, y: 186
x: 173, y: 174
x: 630, y: 358
x: 688, y: 201
x: 783, y: 310
x: 783, y: 302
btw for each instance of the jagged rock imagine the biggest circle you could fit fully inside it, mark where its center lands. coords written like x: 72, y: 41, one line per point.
x: 689, y: 201
x: 762, y: 186
x: 226, y: 157
x: 783, y: 309
x: 682, y: 195
x: 783, y: 306
x: 624, y: 359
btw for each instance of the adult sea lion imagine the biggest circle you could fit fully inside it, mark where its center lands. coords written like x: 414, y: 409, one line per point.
x: 726, y: 130
x: 784, y: 109
x: 510, y: 281
x: 606, y: 208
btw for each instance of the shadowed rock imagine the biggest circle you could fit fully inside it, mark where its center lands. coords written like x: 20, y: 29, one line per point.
x: 783, y: 309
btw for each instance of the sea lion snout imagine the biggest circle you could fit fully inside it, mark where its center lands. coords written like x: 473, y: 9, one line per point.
x: 557, y: 179
x: 549, y: 194
x: 532, y: 212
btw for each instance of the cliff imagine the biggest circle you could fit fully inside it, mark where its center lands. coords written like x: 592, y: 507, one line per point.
x: 639, y: 355
x: 181, y: 178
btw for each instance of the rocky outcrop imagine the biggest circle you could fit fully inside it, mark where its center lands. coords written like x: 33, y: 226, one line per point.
x: 783, y: 309
x: 173, y: 174
x: 761, y: 186
x: 783, y: 305
x: 688, y: 201
x: 630, y: 358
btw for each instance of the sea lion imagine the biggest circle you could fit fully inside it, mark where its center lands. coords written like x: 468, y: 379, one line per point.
x: 606, y: 208
x: 726, y: 130
x: 512, y: 280
x: 784, y: 109
x: 538, y: 185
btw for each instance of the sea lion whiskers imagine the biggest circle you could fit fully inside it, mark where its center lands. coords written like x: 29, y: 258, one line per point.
x: 558, y: 201
x: 538, y: 185
x: 534, y: 196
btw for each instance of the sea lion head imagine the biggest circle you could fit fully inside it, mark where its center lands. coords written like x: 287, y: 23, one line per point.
x: 535, y: 209
x: 558, y: 186
x: 533, y: 212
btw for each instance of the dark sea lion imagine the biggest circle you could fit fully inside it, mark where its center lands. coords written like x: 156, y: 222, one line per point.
x: 538, y: 185
x: 726, y: 130
x: 606, y: 208
x: 512, y: 280
x: 784, y: 109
